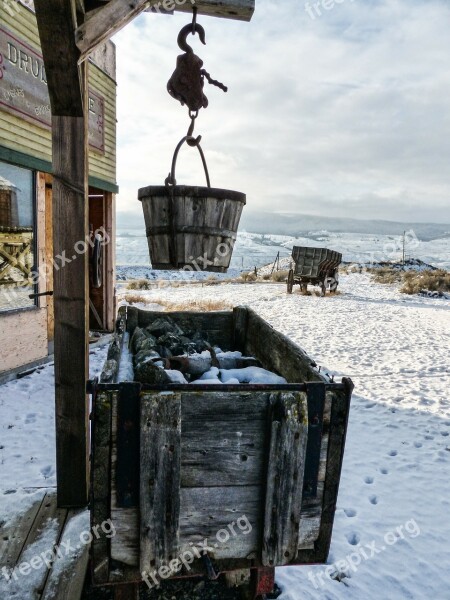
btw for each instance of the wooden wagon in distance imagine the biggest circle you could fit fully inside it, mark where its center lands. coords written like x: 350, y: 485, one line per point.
x: 315, y: 266
x: 251, y: 470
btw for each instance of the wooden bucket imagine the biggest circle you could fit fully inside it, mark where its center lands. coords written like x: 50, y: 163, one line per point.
x: 193, y: 230
x: 188, y: 227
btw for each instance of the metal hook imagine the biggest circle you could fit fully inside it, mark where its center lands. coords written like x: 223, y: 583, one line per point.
x: 187, y: 29
x: 194, y: 19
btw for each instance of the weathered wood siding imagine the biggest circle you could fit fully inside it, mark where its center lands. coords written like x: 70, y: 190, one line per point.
x: 35, y: 141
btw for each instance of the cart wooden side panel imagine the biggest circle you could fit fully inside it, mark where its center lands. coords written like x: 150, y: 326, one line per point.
x: 211, y: 498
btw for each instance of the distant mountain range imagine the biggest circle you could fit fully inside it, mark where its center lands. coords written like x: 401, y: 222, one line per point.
x: 299, y: 225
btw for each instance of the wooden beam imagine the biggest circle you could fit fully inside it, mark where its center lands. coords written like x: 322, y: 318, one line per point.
x: 68, y: 95
x: 56, y: 27
x: 107, y: 21
x: 71, y: 299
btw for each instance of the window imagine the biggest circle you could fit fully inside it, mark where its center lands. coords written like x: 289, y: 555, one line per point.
x: 17, y: 237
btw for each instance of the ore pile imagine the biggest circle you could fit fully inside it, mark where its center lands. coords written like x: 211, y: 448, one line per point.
x: 165, y: 353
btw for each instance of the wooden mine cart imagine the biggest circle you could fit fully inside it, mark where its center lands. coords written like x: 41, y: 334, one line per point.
x: 251, y: 470
x: 315, y: 266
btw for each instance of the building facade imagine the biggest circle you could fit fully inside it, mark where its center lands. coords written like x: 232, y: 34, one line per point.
x: 27, y: 260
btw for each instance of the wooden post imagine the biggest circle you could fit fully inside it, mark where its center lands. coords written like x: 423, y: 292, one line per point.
x: 70, y: 302
x: 67, y: 86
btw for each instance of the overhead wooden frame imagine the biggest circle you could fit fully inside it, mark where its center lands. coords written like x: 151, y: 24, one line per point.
x: 107, y: 21
x: 69, y: 31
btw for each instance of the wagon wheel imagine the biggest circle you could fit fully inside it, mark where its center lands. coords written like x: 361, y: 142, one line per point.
x: 323, y: 288
x: 97, y: 262
x: 290, y: 282
x: 334, y: 286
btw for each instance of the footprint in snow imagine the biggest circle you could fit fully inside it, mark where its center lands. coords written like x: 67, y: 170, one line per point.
x: 9, y: 492
x: 445, y: 433
x: 384, y: 471
x: 350, y: 512
x: 353, y: 539
x: 418, y: 444
x: 368, y: 480
x: 47, y: 472
x: 393, y: 453
x: 31, y: 418
x: 373, y: 500
x: 429, y: 437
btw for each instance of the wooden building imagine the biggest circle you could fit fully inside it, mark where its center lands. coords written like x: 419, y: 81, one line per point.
x: 27, y: 258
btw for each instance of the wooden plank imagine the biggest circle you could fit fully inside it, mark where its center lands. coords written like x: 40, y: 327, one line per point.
x: 110, y: 263
x: 104, y: 23
x: 125, y: 545
x: 68, y: 573
x: 338, y: 429
x: 13, y: 536
x: 129, y: 591
x: 277, y: 352
x: 36, y: 551
x: 101, y: 482
x: 56, y: 32
x: 160, y: 479
x: 127, y: 444
x: 71, y: 295
x: 207, y: 513
x: 316, y: 403
x: 240, y: 318
x: 224, y: 439
x: 48, y: 261
x: 285, y: 479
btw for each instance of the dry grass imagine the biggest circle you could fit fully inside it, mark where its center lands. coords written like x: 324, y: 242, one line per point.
x: 386, y: 275
x: 194, y: 305
x: 139, y: 284
x: 182, y: 305
x: 249, y: 277
x: 430, y: 281
x: 280, y: 276
x: 136, y: 299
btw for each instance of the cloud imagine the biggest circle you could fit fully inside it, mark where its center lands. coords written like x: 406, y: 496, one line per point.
x: 342, y: 115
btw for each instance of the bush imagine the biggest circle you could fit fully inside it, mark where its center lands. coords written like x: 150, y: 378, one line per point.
x: 280, y: 276
x: 386, y: 275
x: 267, y: 277
x: 415, y: 282
x: 139, y: 284
x: 248, y: 277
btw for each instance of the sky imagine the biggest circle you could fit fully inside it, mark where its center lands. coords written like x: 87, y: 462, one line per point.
x: 337, y: 109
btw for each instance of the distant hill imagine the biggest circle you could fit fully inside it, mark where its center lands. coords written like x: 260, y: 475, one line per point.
x: 298, y: 225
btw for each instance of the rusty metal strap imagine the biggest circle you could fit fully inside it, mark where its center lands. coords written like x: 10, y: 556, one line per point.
x: 212, y: 231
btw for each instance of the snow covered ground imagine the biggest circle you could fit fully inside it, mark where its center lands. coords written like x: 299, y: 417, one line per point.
x: 392, y: 515
x: 254, y: 249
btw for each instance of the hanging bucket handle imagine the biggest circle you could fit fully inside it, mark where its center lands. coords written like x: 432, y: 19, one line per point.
x: 193, y: 142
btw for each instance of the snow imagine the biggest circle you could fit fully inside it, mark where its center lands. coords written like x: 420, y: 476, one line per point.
x: 176, y: 376
x: 27, y: 436
x: 251, y: 375
x: 255, y: 249
x: 395, y: 486
x: 396, y: 471
x: 126, y: 370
